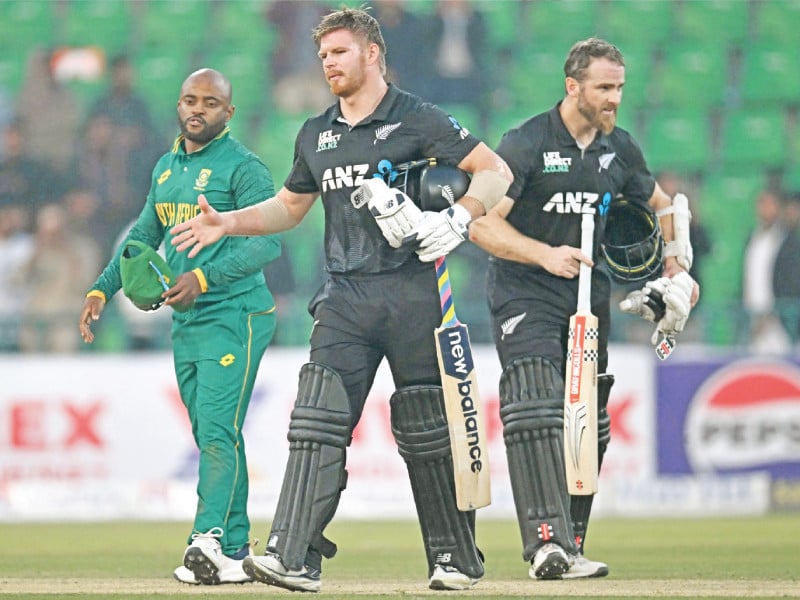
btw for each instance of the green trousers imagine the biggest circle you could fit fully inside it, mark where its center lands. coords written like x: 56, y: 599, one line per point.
x: 217, y: 349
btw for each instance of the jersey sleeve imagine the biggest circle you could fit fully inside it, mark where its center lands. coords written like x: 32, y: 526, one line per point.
x: 640, y: 184
x: 251, y: 184
x: 146, y: 229
x: 516, y: 150
x: 445, y: 138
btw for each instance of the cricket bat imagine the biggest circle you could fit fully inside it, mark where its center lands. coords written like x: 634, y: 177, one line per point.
x: 462, y: 402
x: 580, y: 386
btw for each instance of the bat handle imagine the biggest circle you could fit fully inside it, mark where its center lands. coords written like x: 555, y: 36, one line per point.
x: 445, y: 293
x: 585, y: 272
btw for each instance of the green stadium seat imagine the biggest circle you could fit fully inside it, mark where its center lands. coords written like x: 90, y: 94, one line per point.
x: 158, y: 75
x: 726, y: 204
x: 274, y: 143
x: 713, y: 21
x: 241, y: 24
x: 770, y: 74
x: 755, y: 138
x: 560, y: 23
x: 249, y: 76
x: 26, y: 25
x: 97, y: 23
x: 503, y: 23
x: 692, y: 74
x: 678, y: 140
x: 638, y: 73
x: 537, y: 78
x: 637, y: 22
x: 12, y: 73
x: 777, y: 21
x: 178, y: 24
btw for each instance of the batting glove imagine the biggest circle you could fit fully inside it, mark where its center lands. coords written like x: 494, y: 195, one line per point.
x: 664, y: 301
x: 394, y: 212
x: 439, y: 233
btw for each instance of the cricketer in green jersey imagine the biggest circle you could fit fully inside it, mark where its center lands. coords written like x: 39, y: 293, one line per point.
x: 224, y: 318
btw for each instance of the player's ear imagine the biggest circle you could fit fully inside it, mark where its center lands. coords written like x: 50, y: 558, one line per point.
x: 572, y: 86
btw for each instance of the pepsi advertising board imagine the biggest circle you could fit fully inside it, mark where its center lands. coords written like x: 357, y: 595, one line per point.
x: 731, y: 415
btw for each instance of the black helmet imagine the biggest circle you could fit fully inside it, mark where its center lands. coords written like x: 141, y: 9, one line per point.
x: 632, y: 244
x: 435, y: 187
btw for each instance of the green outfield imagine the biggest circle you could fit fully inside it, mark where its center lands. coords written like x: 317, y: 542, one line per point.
x: 665, y: 558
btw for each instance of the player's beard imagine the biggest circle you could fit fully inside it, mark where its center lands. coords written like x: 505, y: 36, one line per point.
x: 206, y: 134
x: 595, y: 117
x: 349, y: 82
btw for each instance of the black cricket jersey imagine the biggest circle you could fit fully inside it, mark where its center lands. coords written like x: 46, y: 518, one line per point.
x: 555, y: 182
x: 333, y: 159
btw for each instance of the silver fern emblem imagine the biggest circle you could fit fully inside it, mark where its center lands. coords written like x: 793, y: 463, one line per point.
x: 509, y: 325
x: 447, y: 194
x: 383, y: 132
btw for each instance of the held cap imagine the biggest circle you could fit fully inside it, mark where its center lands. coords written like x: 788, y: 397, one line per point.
x: 145, y: 275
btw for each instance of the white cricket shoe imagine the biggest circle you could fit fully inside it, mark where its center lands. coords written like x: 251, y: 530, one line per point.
x: 270, y: 569
x: 583, y: 567
x: 549, y: 562
x: 184, y: 575
x: 209, y: 566
x: 446, y: 577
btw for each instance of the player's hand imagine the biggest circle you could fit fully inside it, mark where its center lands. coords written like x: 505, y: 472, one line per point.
x: 185, y: 291
x: 665, y: 301
x: 92, y: 309
x: 394, y: 212
x: 200, y: 231
x: 439, y: 233
x: 565, y: 261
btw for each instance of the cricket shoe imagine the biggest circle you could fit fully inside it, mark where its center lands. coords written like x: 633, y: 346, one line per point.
x: 583, y: 567
x: 446, y: 577
x: 549, y: 562
x: 204, y: 559
x: 270, y: 569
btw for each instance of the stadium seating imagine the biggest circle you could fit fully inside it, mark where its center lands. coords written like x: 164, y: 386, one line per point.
x: 755, y: 138
x: 692, y: 74
x: 713, y: 21
x: 678, y: 139
x: 637, y: 23
x: 97, y: 23
x: 26, y: 25
x: 560, y: 23
x: 769, y: 74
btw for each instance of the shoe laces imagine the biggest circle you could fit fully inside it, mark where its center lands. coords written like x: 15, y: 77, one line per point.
x: 214, y: 532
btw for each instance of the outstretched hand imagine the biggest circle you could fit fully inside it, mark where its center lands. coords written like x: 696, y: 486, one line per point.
x: 200, y: 231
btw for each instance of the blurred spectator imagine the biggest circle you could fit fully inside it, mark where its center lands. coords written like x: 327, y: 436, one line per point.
x: 786, y: 276
x: 25, y: 181
x: 16, y: 246
x: 54, y: 280
x: 49, y: 112
x: 398, y: 27
x: 766, y: 334
x: 131, y: 121
x: 457, y: 40
x: 297, y: 85
x: 101, y: 167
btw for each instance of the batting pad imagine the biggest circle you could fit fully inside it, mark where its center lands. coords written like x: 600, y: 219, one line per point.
x: 319, y: 433
x: 420, y: 427
x: 532, y: 412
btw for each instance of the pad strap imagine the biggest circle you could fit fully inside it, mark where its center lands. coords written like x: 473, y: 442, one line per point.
x: 532, y: 412
x: 319, y: 433
x: 420, y: 427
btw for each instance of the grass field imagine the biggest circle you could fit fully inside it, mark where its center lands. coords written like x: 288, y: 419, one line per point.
x: 665, y: 558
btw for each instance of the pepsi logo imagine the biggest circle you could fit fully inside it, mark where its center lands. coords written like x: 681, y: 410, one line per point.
x: 746, y: 417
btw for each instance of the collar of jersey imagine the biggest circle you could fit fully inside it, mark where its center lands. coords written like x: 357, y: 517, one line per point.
x: 381, y: 113
x: 565, y: 137
x: 179, y: 148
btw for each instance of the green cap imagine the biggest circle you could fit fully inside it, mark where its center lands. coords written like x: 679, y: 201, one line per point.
x: 145, y: 275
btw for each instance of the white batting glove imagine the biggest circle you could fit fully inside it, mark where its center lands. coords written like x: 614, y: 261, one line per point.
x: 394, y: 212
x: 664, y: 301
x: 439, y: 233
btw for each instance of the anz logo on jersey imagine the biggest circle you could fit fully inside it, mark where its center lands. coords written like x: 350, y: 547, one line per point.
x: 346, y: 176
x: 572, y: 203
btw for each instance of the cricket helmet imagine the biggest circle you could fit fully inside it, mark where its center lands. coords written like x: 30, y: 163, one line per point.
x: 632, y: 245
x: 435, y: 187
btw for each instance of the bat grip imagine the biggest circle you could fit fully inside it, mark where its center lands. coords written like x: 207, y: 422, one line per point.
x: 445, y: 293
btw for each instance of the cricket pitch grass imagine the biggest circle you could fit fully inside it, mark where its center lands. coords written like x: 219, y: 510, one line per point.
x: 752, y: 557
